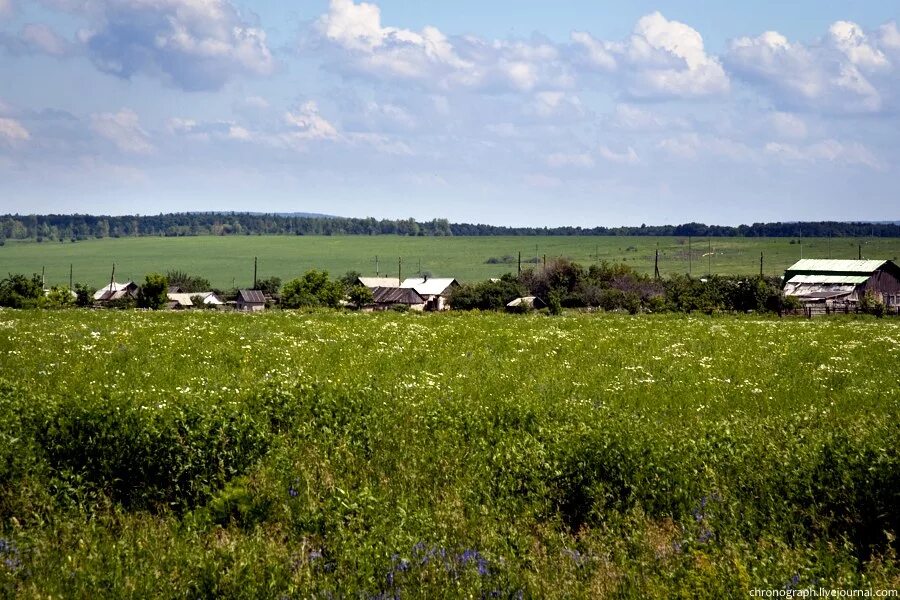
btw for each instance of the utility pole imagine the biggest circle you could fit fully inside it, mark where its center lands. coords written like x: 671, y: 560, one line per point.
x: 860, y: 252
x: 399, y: 270
x: 254, y: 271
x: 70, y: 276
x: 690, y: 257
x: 656, y: 263
x: 420, y: 265
x: 42, y: 276
x: 545, y: 262
x: 376, y: 266
x: 709, y: 257
x: 760, y: 264
x: 520, y: 262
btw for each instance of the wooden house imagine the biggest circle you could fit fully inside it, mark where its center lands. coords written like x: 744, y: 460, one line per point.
x: 843, y: 282
x: 250, y: 300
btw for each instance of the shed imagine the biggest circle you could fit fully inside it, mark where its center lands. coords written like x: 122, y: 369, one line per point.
x: 250, y: 300
x: 832, y: 282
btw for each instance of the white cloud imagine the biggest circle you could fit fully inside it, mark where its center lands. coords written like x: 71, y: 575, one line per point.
x: 124, y: 130
x: 13, y: 131
x: 847, y: 71
x: 691, y: 146
x: 305, y: 124
x: 829, y: 151
x: 430, y: 58
x: 555, y: 104
x: 561, y: 160
x: 193, y: 44
x: 626, y: 157
x: 628, y: 117
x: 662, y: 58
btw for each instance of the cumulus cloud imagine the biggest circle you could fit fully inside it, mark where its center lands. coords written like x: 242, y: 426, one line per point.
x: 192, y: 44
x: 306, y: 123
x: 846, y: 71
x: 430, y: 58
x: 12, y: 130
x: 124, y: 130
x: 662, y: 58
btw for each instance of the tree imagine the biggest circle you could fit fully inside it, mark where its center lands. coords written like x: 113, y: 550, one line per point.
x: 270, y: 285
x: 84, y: 295
x: 313, y: 289
x: 349, y: 279
x: 153, y: 293
x: 19, y: 291
x: 188, y: 283
x: 360, y: 296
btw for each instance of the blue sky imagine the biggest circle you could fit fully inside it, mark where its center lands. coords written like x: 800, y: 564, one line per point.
x: 524, y: 112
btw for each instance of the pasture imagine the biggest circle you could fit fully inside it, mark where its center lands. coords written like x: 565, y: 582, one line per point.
x: 228, y: 261
x: 344, y: 455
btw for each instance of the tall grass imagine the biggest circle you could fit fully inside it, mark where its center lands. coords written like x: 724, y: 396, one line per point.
x: 399, y: 455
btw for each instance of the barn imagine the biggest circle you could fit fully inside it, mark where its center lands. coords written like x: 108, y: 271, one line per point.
x: 843, y: 282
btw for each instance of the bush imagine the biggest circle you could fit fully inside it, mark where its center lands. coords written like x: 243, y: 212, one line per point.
x: 19, y: 291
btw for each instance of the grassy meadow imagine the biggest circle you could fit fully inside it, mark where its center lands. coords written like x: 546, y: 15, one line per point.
x: 344, y: 455
x: 228, y: 261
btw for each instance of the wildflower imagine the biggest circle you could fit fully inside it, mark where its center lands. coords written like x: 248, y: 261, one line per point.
x: 292, y: 492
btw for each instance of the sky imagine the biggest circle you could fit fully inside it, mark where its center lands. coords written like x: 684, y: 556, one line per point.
x: 512, y: 112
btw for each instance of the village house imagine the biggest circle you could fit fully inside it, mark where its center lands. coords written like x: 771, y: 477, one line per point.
x: 116, y: 291
x: 376, y: 282
x: 250, y: 300
x: 385, y: 298
x: 435, y: 290
x: 834, y: 283
x: 181, y: 300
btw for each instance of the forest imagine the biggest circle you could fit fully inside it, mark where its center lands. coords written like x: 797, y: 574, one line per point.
x: 82, y: 227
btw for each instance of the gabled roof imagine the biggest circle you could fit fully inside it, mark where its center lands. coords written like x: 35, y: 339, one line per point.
x: 184, y: 299
x: 396, y: 295
x: 432, y: 286
x: 819, y: 265
x: 114, y: 291
x: 251, y: 296
x: 530, y: 301
x: 374, y: 282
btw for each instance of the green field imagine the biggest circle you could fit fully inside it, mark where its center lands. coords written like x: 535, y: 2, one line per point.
x: 228, y: 261
x: 348, y: 455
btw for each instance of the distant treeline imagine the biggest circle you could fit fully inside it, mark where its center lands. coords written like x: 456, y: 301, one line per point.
x: 81, y: 227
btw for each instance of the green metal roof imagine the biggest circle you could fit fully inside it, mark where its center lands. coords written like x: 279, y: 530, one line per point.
x: 820, y: 265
